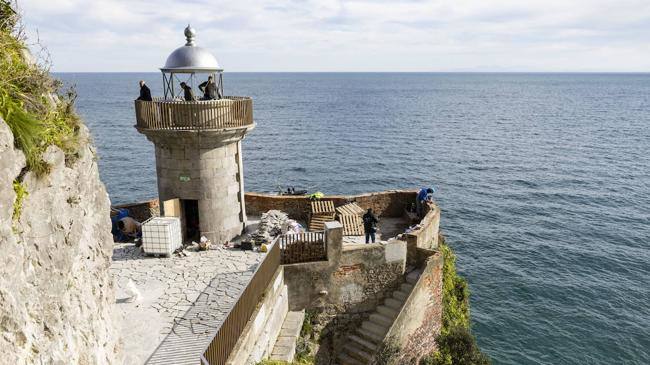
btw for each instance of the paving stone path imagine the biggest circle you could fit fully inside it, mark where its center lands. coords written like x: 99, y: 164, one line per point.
x: 184, y: 300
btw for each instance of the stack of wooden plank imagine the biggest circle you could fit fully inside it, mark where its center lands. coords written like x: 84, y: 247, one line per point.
x: 350, y: 217
x: 321, y: 211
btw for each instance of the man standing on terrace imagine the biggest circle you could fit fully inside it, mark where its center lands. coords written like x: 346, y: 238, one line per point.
x: 370, y: 225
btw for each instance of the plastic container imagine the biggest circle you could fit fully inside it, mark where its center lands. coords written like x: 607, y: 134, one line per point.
x: 161, y: 235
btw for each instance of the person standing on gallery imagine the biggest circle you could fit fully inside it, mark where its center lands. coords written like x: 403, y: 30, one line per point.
x: 370, y: 225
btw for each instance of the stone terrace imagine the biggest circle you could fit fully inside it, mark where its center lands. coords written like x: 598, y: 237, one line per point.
x: 184, y: 299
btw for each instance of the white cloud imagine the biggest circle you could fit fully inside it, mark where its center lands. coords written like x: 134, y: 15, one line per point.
x: 291, y: 35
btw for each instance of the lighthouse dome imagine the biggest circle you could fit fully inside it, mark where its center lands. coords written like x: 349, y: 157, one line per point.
x: 191, y: 58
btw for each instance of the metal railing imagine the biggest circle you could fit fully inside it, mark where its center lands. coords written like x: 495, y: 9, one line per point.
x: 162, y: 114
x: 233, y: 325
x: 303, y: 247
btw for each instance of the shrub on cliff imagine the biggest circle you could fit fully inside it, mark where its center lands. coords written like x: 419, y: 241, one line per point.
x: 457, y: 347
x: 456, y: 344
x: 30, y: 102
x: 455, y: 298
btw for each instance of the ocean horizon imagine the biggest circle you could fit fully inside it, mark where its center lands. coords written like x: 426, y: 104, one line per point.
x: 542, y: 177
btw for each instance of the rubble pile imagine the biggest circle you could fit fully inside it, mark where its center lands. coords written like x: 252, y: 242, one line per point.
x: 270, y: 226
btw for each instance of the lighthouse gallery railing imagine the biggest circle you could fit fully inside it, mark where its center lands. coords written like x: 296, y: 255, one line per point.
x: 161, y: 114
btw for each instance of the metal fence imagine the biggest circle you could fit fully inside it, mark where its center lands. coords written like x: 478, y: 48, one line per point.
x: 162, y: 114
x: 303, y: 247
x: 233, y: 325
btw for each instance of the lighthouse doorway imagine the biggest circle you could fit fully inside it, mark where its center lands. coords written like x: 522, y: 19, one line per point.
x: 191, y: 215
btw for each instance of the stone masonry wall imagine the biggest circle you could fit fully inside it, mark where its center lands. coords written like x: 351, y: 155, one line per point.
x: 207, y: 170
x: 420, y: 319
x: 386, y: 203
x: 342, y: 291
x: 354, y: 279
x: 143, y: 210
x: 426, y: 236
x: 56, y: 292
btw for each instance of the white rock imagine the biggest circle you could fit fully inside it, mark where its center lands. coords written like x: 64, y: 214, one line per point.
x: 56, y: 291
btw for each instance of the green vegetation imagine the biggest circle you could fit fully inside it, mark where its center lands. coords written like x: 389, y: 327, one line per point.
x: 30, y: 102
x: 387, y: 354
x: 21, y: 193
x: 455, y: 293
x: 277, y: 362
x: 456, y: 344
x: 303, y: 345
x: 307, y: 327
x: 457, y: 347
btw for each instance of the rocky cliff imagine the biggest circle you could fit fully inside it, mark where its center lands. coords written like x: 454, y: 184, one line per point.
x: 56, y: 292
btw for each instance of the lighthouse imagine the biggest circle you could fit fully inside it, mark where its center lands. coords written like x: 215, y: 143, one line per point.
x: 198, y: 143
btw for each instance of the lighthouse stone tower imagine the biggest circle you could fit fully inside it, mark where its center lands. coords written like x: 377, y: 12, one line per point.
x: 198, y: 144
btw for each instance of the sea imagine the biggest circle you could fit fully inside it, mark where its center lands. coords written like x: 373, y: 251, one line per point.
x: 543, y: 181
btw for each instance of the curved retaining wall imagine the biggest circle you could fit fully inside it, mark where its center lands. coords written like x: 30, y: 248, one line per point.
x: 389, y: 203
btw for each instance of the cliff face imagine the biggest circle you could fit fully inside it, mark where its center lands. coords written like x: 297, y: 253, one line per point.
x: 56, y: 290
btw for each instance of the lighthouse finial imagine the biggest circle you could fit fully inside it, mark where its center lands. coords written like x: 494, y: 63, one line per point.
x: 190, y: 33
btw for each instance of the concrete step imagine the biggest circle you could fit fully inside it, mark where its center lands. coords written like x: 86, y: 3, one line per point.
x: 357, y: 352
x: 400, y: 295
x: 406, y: 287
x: 345, y: 359
x: 393, y: 303
x: 413, y: 277
x: 388, y: 312
x: 374, y: 327
x: 381, y: 320
x: 367, y: 345
x: 285, y: 346
x: 370, y: 336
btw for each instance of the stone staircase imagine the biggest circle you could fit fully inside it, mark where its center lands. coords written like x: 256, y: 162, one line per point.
x: 361, y: 346
x: 285, y: 346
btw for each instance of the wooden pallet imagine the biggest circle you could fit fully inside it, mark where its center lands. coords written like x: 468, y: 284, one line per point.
x: 350, y: 209
x: 352, y: 225
x: 317, y: 221
x: 321, y: 211
x: 322, y: 207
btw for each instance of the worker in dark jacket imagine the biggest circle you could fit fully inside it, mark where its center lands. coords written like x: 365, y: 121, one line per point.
x: 187, y: 92
x: 145, y: 93
x: 370, y: 225
x: 209, y: 89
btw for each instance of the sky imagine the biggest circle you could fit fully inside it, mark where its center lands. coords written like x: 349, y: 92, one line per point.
x: 348, y: 36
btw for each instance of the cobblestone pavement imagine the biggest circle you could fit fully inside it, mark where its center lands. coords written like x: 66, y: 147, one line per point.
x: 179, y: 295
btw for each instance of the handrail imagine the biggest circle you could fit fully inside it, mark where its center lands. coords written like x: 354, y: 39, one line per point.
x: 174, y: 114
x: 233, y: 325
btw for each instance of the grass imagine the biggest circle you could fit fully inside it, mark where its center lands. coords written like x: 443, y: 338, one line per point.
x: 302, y: 361
x: 30, y: 100
x: 31, y: 103
x: 303, y: 348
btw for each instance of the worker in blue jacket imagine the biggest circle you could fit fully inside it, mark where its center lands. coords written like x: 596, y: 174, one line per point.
x: 424, y: 195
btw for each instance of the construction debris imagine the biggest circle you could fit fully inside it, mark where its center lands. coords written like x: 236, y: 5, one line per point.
x: 270, y: 226
x: 204, y: 244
